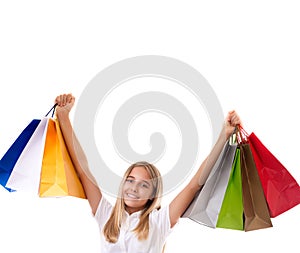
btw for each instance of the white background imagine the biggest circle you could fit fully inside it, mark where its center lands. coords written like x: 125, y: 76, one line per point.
x: 247, y: 50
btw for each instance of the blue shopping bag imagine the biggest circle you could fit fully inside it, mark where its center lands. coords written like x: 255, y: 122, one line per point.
x: 11, y: 156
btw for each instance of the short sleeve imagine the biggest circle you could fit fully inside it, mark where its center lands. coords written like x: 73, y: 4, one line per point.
x: 161, y: 219
x: 103, y: 212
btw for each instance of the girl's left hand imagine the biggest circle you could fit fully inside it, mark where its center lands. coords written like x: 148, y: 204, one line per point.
x: 231, y: 121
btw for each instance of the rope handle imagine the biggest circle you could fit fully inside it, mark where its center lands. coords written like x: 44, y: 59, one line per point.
x: 52, y: 109
x: 242, y: 135
x: 233, y: 137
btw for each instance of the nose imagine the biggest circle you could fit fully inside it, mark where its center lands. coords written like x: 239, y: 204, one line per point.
x: 134, y: 187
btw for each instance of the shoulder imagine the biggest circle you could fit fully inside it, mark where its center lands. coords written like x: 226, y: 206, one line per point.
x: 160, y: 214
x: 104, y: 210
x: 160, y: 221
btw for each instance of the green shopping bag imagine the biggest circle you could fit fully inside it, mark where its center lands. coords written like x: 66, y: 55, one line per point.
x: 231, y: 212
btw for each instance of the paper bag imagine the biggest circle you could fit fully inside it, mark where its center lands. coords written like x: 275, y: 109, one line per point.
x: 206, y: 205
x: 232, y: 211
x: 256, y: 211
x: 281, y: 189
x: 25, y: 176
x: 58, y: 175
x: 8, y: 161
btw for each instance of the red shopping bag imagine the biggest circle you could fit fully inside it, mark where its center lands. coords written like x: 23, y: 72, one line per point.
x: 281, y: 189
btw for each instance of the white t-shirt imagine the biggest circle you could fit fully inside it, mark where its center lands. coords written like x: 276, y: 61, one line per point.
x: 159, y: 229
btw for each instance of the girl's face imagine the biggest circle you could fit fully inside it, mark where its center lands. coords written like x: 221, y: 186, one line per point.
x: 137, y: 189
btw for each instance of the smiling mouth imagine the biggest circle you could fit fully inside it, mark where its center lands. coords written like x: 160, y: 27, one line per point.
x: 131, y: 196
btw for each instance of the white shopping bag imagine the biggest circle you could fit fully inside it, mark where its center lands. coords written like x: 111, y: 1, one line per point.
x: 25, y: 176
x: 207, y: 203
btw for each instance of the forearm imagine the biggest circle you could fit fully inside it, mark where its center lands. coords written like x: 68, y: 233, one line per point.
x: 90, y: 186
x: 184, y: 198
x: 206, y: 166
x: 75, y: 150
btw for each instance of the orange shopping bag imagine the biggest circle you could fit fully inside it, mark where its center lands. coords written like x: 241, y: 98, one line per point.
x: 58, y: 175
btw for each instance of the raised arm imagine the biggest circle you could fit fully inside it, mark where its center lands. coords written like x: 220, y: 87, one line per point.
x: 65, y: 103
x: 184, y: 198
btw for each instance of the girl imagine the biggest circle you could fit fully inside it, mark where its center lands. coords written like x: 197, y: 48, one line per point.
x: 136, y: 223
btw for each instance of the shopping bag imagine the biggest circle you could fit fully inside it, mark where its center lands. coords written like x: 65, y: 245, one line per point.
x: 281, y: 190
x: 231, y: 213
x: 58, y: 175
x: 256, y: 211
x: 44, y: 164
x: 11, y: 156
x: 25, y: 173
x: 25, y: 176
x: 206, y: 205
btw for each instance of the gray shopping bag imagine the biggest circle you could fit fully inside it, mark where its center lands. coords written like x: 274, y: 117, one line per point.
x: 207, y: 203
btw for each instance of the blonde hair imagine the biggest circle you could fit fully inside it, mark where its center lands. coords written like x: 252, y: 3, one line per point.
x: 111, y: 229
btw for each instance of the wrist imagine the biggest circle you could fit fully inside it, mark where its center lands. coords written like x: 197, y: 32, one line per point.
x: 62, y: 114
x: 224, y: 134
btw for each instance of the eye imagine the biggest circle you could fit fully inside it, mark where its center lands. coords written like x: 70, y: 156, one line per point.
x: 129, y: 180
x: 144, y: 185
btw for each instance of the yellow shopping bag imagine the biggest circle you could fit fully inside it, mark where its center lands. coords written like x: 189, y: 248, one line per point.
x: 58, y: 175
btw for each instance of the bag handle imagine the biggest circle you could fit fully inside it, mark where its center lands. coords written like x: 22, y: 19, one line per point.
x: 52, y: 109
x: 233, y: 137
x: 242, y: 135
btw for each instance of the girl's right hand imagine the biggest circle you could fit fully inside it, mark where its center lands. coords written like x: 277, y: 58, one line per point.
x: 64, y: 103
